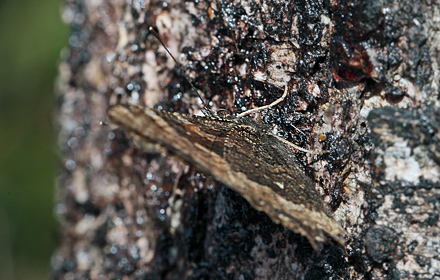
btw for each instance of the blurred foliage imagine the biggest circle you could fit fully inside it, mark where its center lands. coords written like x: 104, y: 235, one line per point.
x: 32, y: 36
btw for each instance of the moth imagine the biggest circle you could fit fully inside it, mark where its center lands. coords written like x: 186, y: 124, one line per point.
x: 244, y: 155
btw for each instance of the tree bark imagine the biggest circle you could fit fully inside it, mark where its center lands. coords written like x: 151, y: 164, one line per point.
x: 366, y: 87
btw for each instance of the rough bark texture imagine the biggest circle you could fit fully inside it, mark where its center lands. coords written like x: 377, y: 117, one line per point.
x: 366, y: 78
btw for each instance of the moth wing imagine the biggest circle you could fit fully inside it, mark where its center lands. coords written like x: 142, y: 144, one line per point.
x: 196, y: 140
x: 263, y: 170
x: 257, y: 165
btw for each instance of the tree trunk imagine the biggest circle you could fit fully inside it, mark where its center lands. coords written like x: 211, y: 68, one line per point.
x: 364, y: 84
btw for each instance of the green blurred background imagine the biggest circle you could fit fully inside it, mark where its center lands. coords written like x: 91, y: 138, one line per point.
x: 31, y: 38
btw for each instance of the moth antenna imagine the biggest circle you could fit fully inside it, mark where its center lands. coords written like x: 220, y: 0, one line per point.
x: 248, y: 112
x: 301, y: 149
x: 182, y: 70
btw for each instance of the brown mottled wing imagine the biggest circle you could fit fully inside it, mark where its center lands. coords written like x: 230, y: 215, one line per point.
x: 263, y: 170
x: 196, y: 140
x: 256, y: 165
